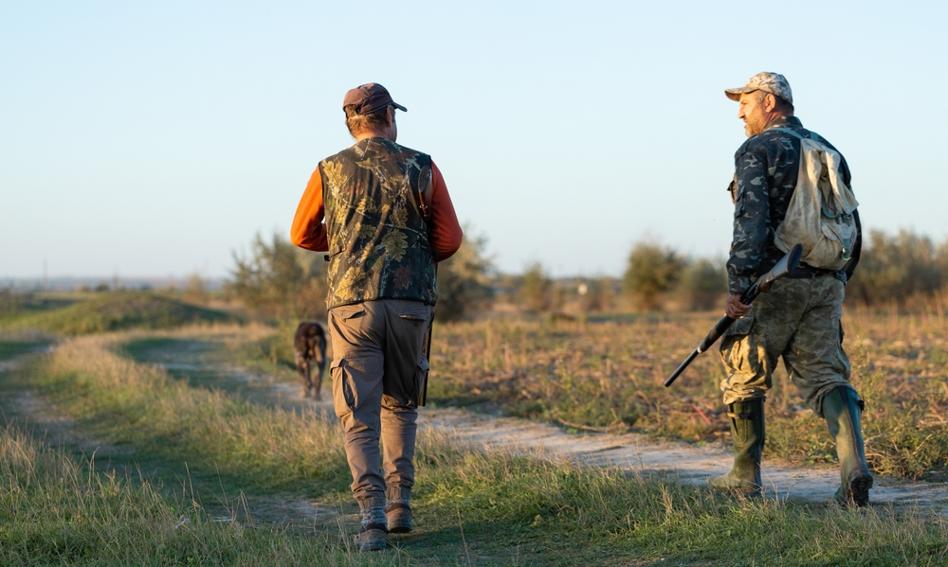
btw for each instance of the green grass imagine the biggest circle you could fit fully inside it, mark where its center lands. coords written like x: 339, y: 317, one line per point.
x: 114, y: 311
x: 56, y: 510
x: 472, y: 508
x: 15, y: 305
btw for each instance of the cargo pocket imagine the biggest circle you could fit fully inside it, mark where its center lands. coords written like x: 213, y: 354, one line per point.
x: 344, y: 387
x: 736, y: 350
x: 421, y: 379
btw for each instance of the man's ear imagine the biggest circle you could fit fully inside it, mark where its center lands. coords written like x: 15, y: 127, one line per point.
x: 770, y: 102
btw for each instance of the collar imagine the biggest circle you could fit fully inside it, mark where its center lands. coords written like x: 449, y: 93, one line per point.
x: 785, y: 122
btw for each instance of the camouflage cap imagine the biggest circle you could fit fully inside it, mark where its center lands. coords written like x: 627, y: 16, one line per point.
x: 773, y: 83
x: 369, y: 98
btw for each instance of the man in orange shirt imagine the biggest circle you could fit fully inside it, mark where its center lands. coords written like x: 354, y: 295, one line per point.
x: 383, y: 213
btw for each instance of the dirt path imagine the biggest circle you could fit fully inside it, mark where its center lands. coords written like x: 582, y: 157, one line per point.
x: 29, y: 410
x: 634, y: 453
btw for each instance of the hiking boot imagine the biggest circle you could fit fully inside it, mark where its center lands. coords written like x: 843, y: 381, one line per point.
x: 398, y: 515
x: 842, y: 409
x: 372, y: 537
x: 747, y: 432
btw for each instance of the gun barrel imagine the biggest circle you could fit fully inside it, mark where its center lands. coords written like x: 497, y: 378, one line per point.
x: 681, y: 367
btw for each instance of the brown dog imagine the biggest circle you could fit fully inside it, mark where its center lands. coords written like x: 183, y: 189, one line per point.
x: 309, y: 342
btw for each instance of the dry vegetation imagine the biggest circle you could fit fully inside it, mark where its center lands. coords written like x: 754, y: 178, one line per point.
x: 609, y: 374
x: 474, y: 508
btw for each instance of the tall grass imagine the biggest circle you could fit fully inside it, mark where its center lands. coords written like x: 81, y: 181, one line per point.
x: 473, y: 508
x: 610, y: 374
x: 57, y: 510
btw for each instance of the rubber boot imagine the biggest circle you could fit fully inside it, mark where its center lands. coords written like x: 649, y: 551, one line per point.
x: 374, y: 534
x: 747, y: 432
x: 842, y: 409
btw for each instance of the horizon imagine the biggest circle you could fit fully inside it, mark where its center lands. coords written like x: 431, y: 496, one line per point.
x: 160, y: 139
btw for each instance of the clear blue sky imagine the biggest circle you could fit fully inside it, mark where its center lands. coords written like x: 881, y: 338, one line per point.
x: 156, y: 138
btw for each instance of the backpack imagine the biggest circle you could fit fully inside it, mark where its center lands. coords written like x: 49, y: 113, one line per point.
x: 820, y: 212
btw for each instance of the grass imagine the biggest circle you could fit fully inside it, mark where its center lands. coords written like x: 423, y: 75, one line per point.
x: 100, y: 313
x: 56, y: 509
x: 610, y: 375
x: 473, y: 508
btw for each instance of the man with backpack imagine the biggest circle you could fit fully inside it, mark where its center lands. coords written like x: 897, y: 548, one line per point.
x: 790, y: 186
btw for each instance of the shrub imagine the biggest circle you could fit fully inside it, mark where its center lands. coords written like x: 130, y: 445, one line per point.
x: 652, y: 270
x: 280, y: 281
x: 895, y: 268
x: 535, y: 289
x: 464, y: 280
x: 703, y: 284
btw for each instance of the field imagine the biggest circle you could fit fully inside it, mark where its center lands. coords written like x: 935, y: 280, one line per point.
x: 190, y: 445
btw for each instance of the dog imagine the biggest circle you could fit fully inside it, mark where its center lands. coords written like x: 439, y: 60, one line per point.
x: 309, y: 342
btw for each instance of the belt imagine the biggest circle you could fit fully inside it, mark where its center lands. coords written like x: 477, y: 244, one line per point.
x: 805, y: 271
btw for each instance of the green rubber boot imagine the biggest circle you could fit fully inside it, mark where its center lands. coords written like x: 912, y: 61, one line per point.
x: 842, y: 410
x: 747, y: 431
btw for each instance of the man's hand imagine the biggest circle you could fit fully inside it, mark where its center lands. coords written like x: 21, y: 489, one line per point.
x: 734, y: 308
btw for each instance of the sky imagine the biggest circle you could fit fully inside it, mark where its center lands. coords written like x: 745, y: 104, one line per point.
x: 158, y: 138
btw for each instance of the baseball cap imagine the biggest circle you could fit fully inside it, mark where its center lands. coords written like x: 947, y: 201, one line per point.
x: 369, y: 98
x: 773, y: 83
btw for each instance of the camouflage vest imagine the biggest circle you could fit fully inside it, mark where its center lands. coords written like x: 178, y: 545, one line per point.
x: 378, y: 234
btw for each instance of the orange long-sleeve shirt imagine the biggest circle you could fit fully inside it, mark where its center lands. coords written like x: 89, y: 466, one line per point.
x: 309, y: 230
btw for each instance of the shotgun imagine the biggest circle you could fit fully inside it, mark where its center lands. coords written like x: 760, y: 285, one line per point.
x: 786, y: 265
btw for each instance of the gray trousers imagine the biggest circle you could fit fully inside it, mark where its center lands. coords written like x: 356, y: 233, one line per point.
x: 378, y: 355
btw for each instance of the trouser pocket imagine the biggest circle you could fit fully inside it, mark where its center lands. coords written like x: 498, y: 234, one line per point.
x: 353, y: 383
x: 421, y: 380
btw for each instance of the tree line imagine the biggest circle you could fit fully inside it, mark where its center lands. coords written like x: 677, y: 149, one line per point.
x: 277, y: 281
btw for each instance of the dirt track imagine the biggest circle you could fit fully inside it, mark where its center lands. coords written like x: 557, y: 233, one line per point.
x: 30, y: 410
x: 637, y: 454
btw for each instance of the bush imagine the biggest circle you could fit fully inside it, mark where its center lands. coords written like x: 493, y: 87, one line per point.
x: 535, y: 289
x: 280, y: 281
x: 895, y: 268
x: 464, y: 280
x: 703, y: 284
x: 652, y: 270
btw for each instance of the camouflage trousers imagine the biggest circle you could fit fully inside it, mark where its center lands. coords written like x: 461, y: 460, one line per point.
x: 798, y: 320
x: 377, y: 357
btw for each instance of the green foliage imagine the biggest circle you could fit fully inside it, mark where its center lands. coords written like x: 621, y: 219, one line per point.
x: 117, y: 311
x: 652, y: 270
x: 703, y: 284
x: 535, y: 289
x: 464, y: 280
x: 14, y: 305
x: 895, y: 268
x: 280, y: 281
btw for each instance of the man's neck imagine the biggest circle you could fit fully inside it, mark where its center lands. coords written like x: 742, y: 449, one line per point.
x: 777, y: 118
x: 366, y: 134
